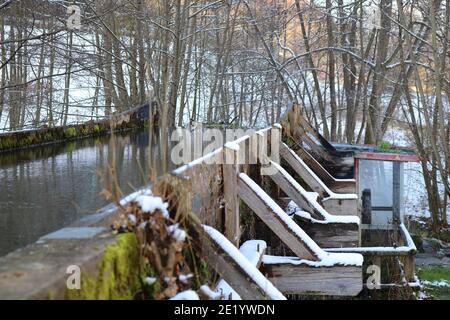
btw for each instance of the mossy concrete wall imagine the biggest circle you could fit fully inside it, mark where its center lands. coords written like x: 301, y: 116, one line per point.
x: 110, y: 264
x: 118, y: 122
x: 117, y: 274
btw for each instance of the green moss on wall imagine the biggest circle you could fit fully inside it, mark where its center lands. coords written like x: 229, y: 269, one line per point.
x: 118, y: 276
x: 70, y: 133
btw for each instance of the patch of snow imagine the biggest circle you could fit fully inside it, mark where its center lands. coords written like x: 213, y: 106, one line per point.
x: 225, y: 290
x: 294, y: 210
x: 437, y: 283
x: 186, y: 295
x: 132, y: 218
x: 332, y: 259
x: 242, y: 261
x: 314, y: 194
x: 279, y: 126
x: 422, y: 295
x: 150, y: 204
x: 177, y: 233
x: 233, y: 146
x: 134, y: 195
x: 409, y: 241
x: 196, y: 162
x: 253, y: 250
x: 371, y: 249
x: 211, y: 294
x: 263, y: 131
x: 150, y: 280
x: 185, y: 277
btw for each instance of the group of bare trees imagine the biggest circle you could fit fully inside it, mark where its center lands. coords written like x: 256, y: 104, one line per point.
x: 356, y: 67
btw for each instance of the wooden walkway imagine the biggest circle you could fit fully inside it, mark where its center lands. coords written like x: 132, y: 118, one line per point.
x: 320, y: 240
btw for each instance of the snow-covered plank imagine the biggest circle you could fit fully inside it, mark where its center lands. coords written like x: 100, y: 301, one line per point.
x: 310, y: 177
x: 253, y: 251
x: 305, y: 199
x: 289, y: 156
x: 277, y: 220
x: 235, y: 269
x: 375, y: 251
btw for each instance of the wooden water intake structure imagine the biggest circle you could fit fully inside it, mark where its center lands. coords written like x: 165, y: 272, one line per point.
x: 278, y: 213
x: 307, y: 238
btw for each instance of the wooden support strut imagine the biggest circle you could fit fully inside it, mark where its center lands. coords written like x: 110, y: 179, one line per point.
x: 254, y: 200
x: 286, y: 185
x: 230, y: 270
x: 301, y: 171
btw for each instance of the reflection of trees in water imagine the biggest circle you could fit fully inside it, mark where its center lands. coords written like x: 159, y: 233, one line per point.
x: 46, y: 188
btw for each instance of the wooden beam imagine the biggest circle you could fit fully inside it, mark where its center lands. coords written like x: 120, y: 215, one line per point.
x: 336, y: 185
x: 215, y: 249
x: 230, y: 270
x: 253, y: 250
x: 287, y: 155
x: 231, y: 199
x: 302, y: 279
x: 292, y: 192
x: 254, y: 200
x: 332, y: 235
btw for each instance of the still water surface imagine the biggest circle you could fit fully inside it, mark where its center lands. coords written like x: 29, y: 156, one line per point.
x: 43, y: 189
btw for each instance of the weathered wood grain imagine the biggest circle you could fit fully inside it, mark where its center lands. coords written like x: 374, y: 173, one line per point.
x: 270, y: 218
x: 231, y: 199
x: 335, y: 281
x: 332, y: 235
x: 237, y: 277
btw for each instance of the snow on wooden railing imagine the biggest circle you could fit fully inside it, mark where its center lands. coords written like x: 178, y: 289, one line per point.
x: 407, y: 249
x: 311, y: 200
x: 310, y: 176
x: 253, y: 251
x: 240, y: 273
x: 288, y: 230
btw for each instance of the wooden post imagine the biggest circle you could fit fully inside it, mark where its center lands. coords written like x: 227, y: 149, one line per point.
x: 409, y: 266
x: 275, y: 143
x: 366, y: 207
x: 396, y: 192
x: 231, y: 199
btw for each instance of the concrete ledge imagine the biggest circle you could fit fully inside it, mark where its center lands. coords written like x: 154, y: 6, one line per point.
x: 110, y: 265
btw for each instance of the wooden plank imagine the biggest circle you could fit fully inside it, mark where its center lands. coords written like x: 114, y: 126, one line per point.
x: 332, y: 235
x: 230, y: 270
x: 409, y: 267
x: 334, y: 281
x: 273, y: 221
x: 231, y: 199
x: 285, y: 184
x: 388, y: 156
x: 336, y: 185
x: 286, y: 154
x: 207, y: 190
x: 341, y: 207
x: 254, y: 251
